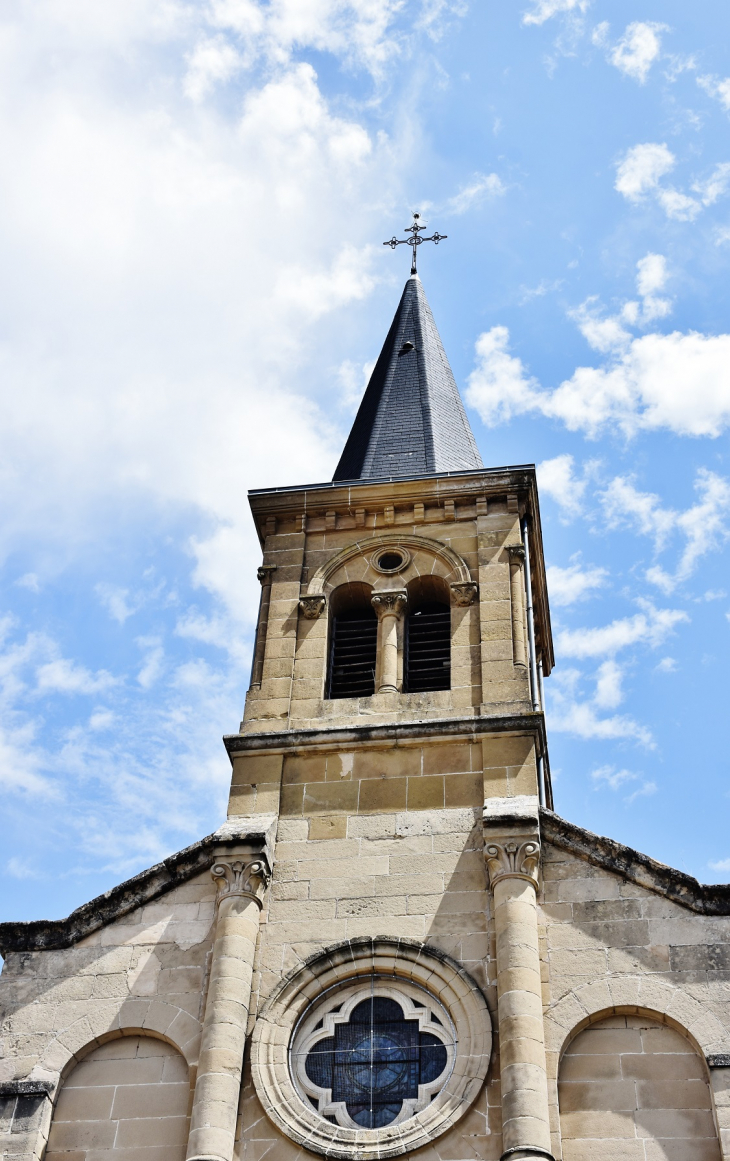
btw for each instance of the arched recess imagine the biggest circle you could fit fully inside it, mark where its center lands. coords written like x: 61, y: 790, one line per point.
x: 130, y: 1093
x: 634, y: 1086
x: 354, y: 563
x: 638, y: 994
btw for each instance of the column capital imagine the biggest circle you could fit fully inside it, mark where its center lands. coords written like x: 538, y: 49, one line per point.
x: 393, y: 601
x: 247, y: 877
x: 464, y: 593
x: 513, y: 857
x: 516, y: 552
x: 312, y: 605
x: 264, y: 571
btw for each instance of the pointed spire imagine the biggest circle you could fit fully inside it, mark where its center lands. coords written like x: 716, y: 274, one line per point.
x: 411, y: 419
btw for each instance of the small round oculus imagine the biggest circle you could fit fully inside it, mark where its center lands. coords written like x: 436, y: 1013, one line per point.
x: 390, y: 560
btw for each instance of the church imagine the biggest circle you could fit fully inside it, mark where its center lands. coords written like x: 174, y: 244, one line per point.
x: 393, y: 946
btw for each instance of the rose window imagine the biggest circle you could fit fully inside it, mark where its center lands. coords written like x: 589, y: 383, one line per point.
x: 373, y: 1056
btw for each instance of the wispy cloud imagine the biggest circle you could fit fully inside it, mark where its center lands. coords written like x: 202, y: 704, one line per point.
x: 64, y: 676
x: 609, y: 777
x: 650, y: 628
x: 635, y: 52
x: 481, y: 186
x: 574, y: 583
x: 704, y: 525
x: 545, y: 9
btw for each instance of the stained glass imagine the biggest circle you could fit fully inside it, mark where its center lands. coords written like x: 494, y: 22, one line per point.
x: 376, y: 1061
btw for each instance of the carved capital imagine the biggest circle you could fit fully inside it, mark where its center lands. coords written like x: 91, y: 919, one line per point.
x: 516, y: 553
x: 312, y: 605
x: 264, y: 573
x: 393, y: 601
x: 512, y: 858
x: 243, y: 877
x: 464, y: 592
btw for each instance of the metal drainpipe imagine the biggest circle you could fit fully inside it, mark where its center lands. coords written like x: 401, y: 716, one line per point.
x: 535, y: 684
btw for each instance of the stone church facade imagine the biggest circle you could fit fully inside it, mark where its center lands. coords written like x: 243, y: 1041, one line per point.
x: 393, y: 946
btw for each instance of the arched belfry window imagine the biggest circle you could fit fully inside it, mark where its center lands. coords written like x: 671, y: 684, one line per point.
x: 374, y: 1055
x: 427, y: 660
x: 353, y: 642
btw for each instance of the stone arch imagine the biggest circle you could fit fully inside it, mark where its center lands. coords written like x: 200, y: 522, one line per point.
x: 641, y: 994
x: 138, y: 1016
x: 353, y: 563
x: 129, y: 1092
x: 633, y: 1085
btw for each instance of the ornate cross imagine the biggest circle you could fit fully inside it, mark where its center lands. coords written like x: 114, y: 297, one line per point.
x: 415, y: 240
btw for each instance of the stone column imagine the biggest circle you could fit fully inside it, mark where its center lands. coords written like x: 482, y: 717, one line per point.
x: 517, y: 600
x: 512, y: 853
x: 389, y: 604
x: 241, y: 885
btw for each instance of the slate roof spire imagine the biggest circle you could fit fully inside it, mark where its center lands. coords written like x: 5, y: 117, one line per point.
x: 411, y: 420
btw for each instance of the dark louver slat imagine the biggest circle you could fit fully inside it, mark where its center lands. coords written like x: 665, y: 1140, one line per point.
x: 353, y: 650
x: 428, y: 650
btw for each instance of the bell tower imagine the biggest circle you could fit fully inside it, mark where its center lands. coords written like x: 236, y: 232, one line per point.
x: 396, y: 699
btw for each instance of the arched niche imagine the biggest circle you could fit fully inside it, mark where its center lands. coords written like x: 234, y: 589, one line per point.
x: 634, y: 1086
x: 129, y: 1094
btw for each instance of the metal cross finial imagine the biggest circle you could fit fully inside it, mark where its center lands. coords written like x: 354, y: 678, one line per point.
x: 415, y: 240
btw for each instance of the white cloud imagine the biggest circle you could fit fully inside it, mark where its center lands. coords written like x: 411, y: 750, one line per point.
x: 608, y: 776
x: 675, y: 382
x: 623, y: 504
x: 21, y: 869
x: 715, y: 186
x: 720, y: 865
x: 717, y: 88
x: 472, y: 194
x: 29, y: 581
x: 153, y: 662
x: 567, y: 713
x: 557, y: 479
x: 115, y: 600
x: 499, y: 387
x: 650, y: 627
x: 637, y: 50
x: 703, y: 525
x: 213, y: 60
x: 645, y: 790
x: 64, y: 676
x: 642, y: 167
x: 574, y: 583
x: 609, y: 694
x: 639, y: 173
x: 611, y: 777
x: 102, y: 719
x: 667, y: 665
x: 545, y: 9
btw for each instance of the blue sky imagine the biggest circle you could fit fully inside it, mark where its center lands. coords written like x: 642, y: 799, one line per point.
x: 193, y: 288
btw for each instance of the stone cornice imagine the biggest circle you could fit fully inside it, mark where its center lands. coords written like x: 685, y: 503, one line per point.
x: 52, y: 934
x: 391, y: 733
x: 705, y: 899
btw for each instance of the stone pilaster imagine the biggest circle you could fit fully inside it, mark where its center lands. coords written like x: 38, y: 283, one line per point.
x: 517, y: 601
x: 512, y: 854
x: 242, y: 882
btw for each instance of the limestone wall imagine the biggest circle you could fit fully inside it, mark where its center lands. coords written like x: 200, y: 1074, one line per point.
x: 612, y: 947
x: 141, y: 973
